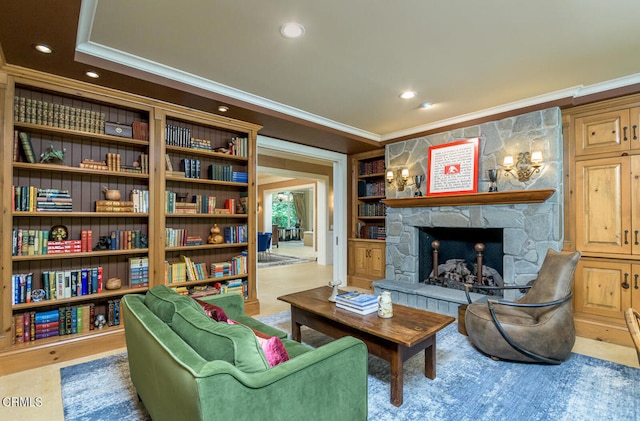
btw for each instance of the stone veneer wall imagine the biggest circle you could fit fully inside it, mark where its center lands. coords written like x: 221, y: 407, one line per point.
x: 529, y: 229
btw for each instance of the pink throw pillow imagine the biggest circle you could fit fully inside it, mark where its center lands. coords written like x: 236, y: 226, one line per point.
x: 213, y: 311
x: 272, y: 346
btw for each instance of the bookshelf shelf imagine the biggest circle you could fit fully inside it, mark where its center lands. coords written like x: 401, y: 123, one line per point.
x: 205, y: 181
x: 79, y: 299
x: 75, y: 170
x: 81, y: 214
x: 208, y: 280
x: 204, y: 152
x: 207, y: 215
x: 77, y: 134
x: 56, y: 256
x: 209, y: 246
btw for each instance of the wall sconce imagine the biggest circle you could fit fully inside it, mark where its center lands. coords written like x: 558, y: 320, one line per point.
x: 527, y: 165
x: 401, y: 177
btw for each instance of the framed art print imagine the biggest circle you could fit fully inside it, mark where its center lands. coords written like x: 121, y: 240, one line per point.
x: 453, y: 168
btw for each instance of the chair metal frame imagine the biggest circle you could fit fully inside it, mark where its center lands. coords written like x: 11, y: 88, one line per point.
x: 491, y: 303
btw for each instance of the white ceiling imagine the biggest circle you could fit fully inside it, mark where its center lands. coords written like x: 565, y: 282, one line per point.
x: 469, y: 58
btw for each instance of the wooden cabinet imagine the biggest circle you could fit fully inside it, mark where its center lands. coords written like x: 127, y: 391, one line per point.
x: 135, y: 238
x: 366, y: 262
x: 607, y: 206
x: 610, y: 131
x: 604, y: 289
x: 366, y: 246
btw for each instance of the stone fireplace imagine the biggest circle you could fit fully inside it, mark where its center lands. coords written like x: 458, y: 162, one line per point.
x: 527, y: 229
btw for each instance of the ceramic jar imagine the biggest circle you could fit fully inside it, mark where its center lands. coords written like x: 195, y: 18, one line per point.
x: 385, y: 306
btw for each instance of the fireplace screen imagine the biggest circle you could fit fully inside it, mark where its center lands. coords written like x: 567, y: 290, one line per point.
x: 452, y: 257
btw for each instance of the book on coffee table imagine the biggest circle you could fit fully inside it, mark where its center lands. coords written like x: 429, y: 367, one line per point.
x: 362, y: 311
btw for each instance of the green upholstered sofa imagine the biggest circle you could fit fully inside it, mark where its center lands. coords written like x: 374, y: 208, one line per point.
x: 167, y: 335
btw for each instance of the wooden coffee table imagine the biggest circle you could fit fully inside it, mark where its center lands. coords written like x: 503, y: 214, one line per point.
x: 396, y: 340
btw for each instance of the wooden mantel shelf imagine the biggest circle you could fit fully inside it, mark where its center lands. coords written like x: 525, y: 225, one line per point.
x: 495, y: 198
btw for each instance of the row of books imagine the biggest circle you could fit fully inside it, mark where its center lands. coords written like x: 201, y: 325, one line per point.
x: 239, y: 286
x: 35, y: 111
x: 357, y: 302
x: 191, y: 167
x: 179, y: 237
x: 184, y: 270
x: 375, y: 188
x: 371, y: 167
x: 31, y: 242
x: 373, y: 232
x: 372, y: 209
x: 126, y: 239
x: 235, y: 234
x: 237, y: 265
x: 199, y: 204
x: 177, y: 136
x: 69, y: 320
x: 57, y: 284
x: 238, y: 146
x: 138, y: 272
x: 31, y: 198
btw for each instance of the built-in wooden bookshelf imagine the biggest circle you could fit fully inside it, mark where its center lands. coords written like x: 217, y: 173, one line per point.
x: 49, y: 114
x: 366, y: 244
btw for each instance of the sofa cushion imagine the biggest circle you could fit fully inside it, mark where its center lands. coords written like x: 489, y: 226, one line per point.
x: 235, y: 344
x: 272, y: 346
x: 163, y: 302
x: 213, y: 311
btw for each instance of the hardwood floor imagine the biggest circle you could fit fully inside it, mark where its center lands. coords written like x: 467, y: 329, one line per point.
x: 44, y: 382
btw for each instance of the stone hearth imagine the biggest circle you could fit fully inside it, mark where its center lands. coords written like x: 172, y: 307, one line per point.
x: 529, y: 229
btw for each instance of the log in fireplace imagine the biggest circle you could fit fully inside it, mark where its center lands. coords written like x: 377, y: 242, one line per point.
x: 453, y: 257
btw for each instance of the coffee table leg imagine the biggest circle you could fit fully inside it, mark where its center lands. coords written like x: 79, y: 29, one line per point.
x: 397, y: 377
x: 430, y: 359
x: 295, y: 328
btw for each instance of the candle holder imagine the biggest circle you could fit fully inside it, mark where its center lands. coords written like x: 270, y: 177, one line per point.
x: 493, y: 178
x: 418, y: 179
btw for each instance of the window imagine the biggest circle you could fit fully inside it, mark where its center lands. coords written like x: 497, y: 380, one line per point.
x: 283, y: 212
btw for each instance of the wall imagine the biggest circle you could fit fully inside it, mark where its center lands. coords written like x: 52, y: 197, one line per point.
x: 529, y: 229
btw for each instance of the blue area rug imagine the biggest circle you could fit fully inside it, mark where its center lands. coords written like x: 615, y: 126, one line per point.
x: 468, y: 386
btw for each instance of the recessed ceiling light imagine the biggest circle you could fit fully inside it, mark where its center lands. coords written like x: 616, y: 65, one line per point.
x: 426, y: 105
x: 292, y: 30
x: 92, y: 74
x: 45, y: 49
x: 223, y: 108
x: 407, y: 94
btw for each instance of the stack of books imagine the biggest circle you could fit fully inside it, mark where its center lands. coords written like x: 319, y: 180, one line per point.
x: 357, y: 302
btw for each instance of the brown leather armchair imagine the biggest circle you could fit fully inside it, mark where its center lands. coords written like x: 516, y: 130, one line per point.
x: 535, y: 328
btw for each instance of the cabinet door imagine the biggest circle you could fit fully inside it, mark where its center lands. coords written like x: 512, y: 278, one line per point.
x: 606, y: 132
x: 377, y: 260
x: 603, y: 288
x: 603, y: 220
x: 360, y: 255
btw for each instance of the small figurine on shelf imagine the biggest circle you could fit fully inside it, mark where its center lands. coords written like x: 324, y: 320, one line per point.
x: 104, y: 243
x: 215, y: 237
x: 100, y: 321
x: 53, y: 156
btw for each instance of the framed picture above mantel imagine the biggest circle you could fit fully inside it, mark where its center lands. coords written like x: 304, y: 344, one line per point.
x: 453, y: 168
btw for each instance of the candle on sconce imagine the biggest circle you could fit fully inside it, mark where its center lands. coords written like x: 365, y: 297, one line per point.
x: 536, y: 158
x: 508, y: 161
x: 390, y: 176
x: 405, y: 173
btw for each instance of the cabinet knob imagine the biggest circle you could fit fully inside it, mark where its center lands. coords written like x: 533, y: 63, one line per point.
x: 635, y: 283
x: 624, y: 130
x: 626, y: 236
x: 625, y: 284
x: 635, y: 132
x: 635, y: 242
